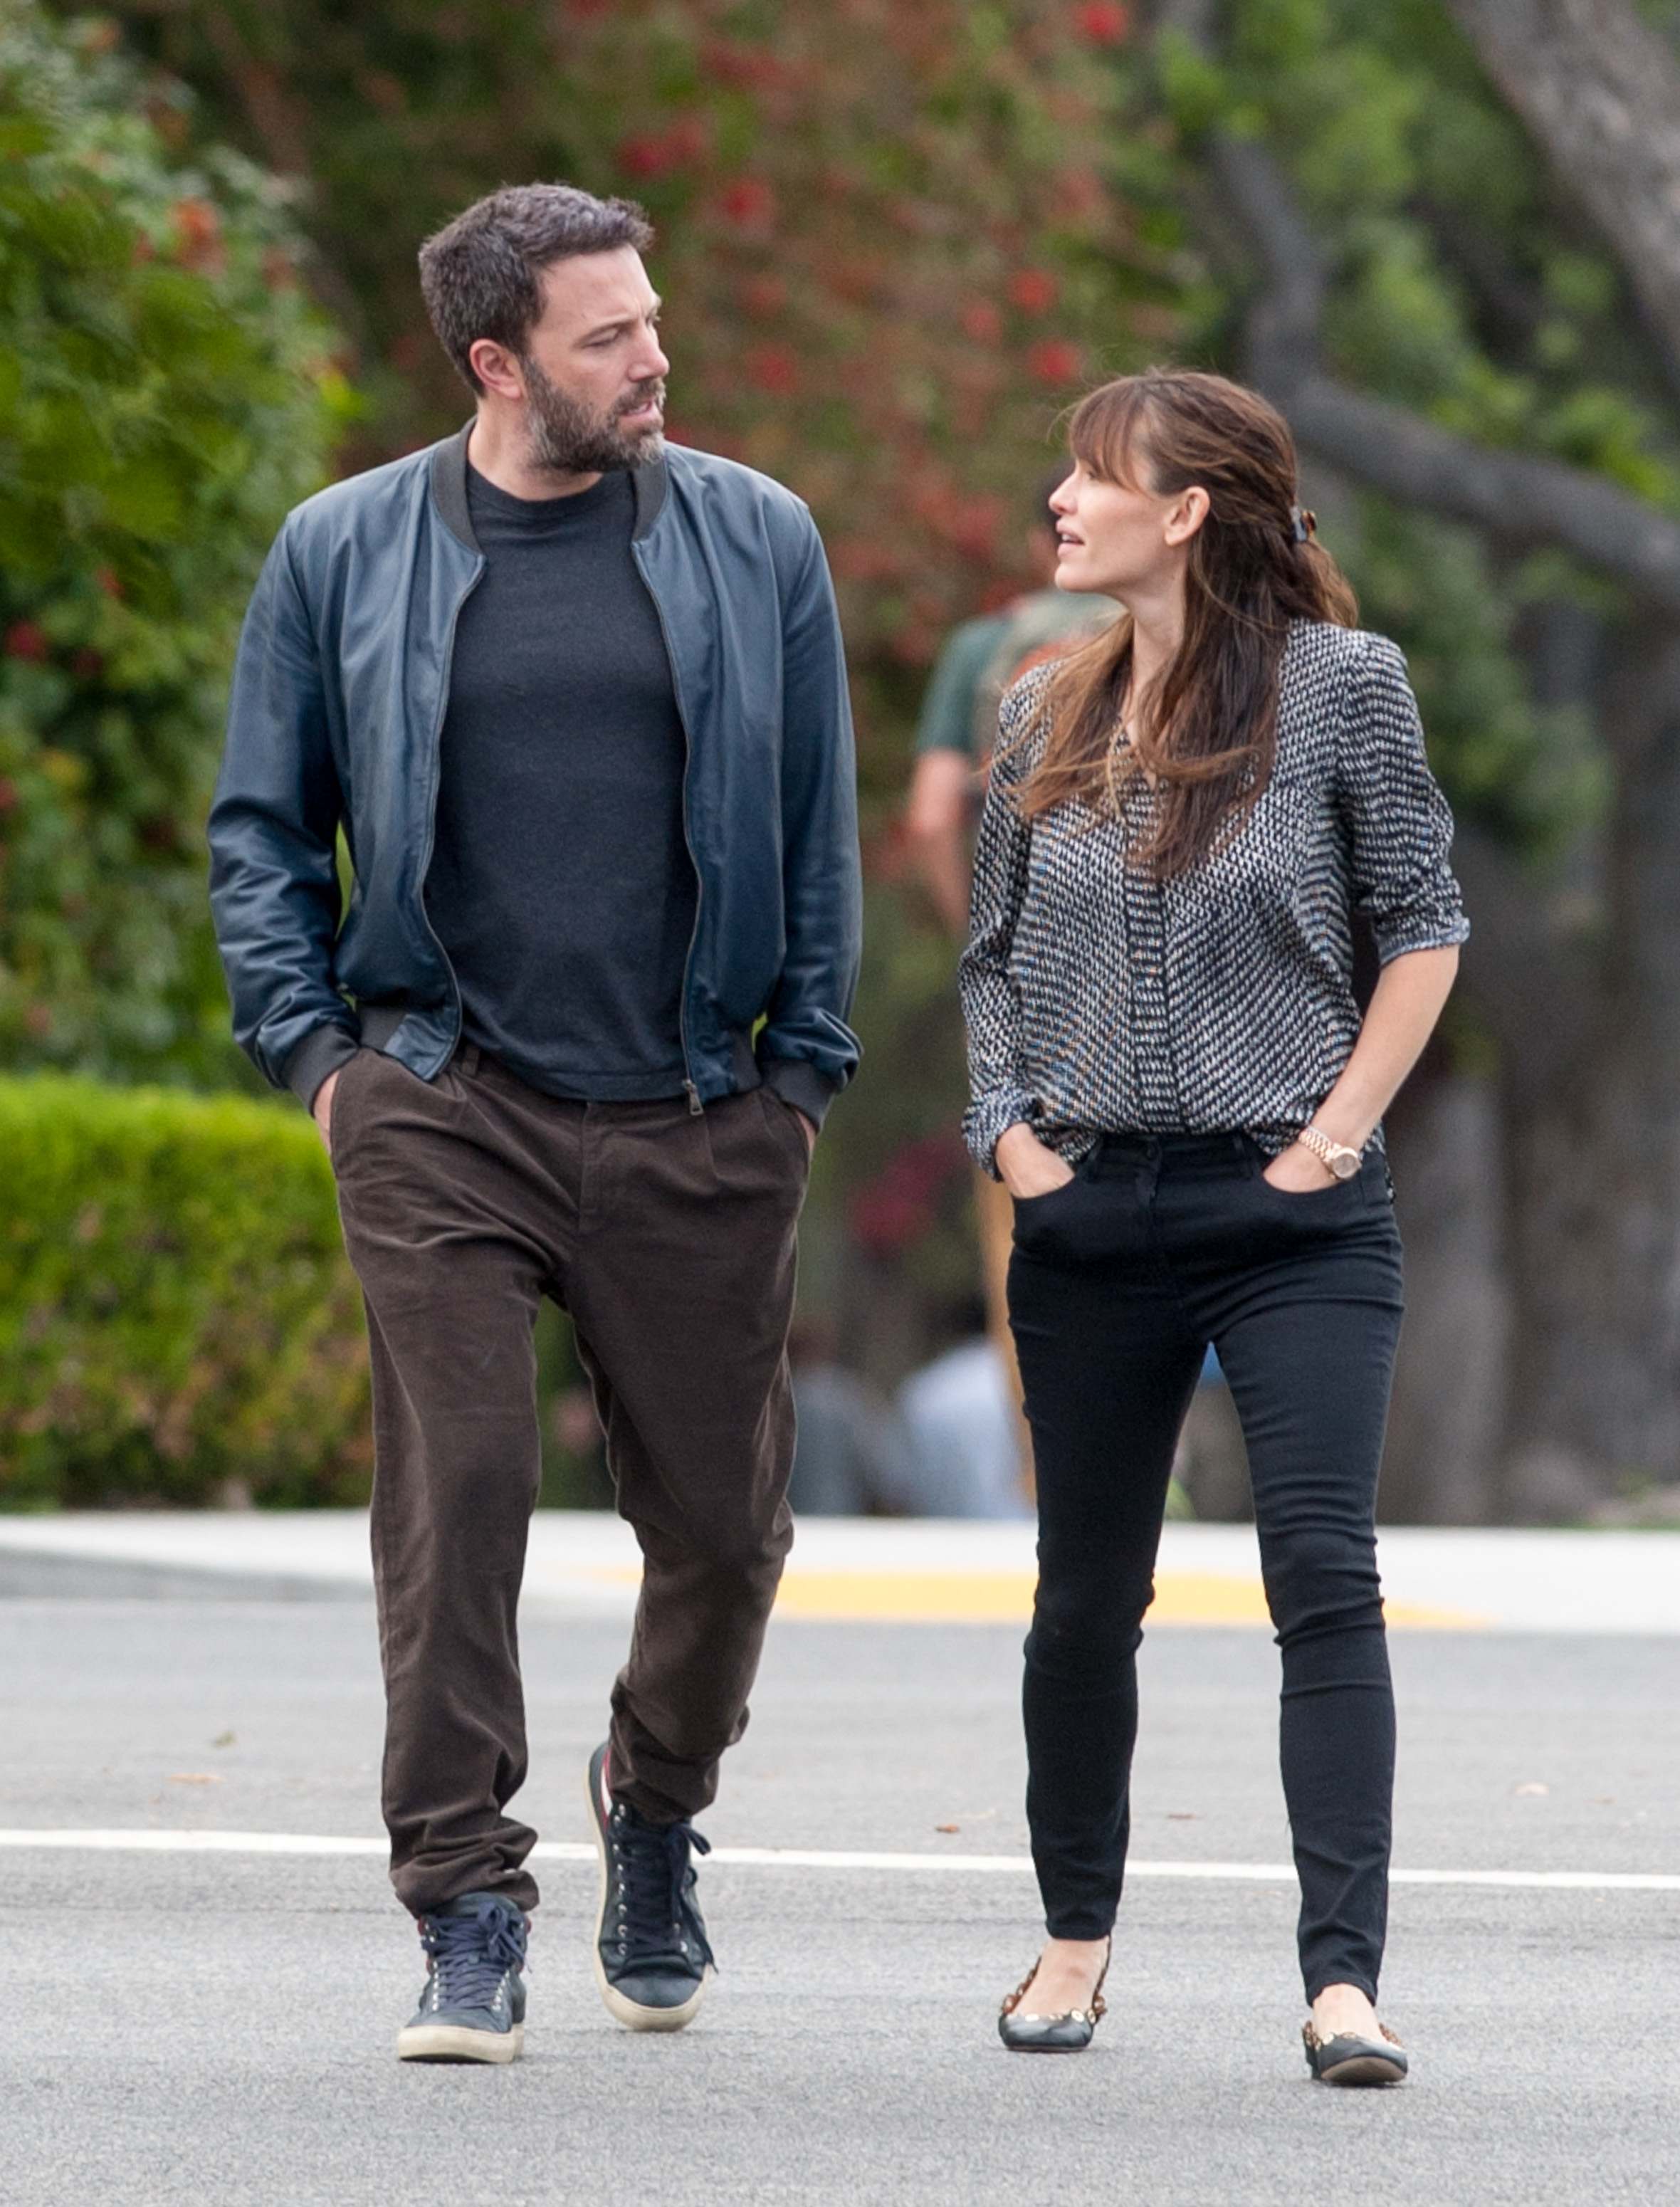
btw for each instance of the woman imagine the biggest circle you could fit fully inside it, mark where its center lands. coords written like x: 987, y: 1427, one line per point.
x: 1171, y: 1078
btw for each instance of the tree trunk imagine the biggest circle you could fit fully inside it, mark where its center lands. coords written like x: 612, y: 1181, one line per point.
x: 1592, y: 1158
x: 1442, y: 1464
x: 1600, y: 90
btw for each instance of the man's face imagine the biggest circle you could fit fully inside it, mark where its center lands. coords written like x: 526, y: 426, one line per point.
x: 593, y: 370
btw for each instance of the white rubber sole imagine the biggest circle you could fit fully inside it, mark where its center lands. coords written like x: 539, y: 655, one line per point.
x: 453, y: 2042
x: 635, y: 2017
x: 629, y: 2013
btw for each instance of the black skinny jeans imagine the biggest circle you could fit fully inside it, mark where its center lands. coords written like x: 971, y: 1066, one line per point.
x: 1118, y: 1282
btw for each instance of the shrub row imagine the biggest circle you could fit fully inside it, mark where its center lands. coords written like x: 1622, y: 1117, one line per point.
x: 175, y: 1308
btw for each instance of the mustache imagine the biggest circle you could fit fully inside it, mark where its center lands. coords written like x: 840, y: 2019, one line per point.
x: 650, y: 392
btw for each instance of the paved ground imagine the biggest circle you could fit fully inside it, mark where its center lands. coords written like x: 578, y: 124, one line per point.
x: 585, y: 1563
x: 193, y: 2029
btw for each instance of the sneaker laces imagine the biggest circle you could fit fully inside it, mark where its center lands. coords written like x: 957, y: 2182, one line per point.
x: 471, y: 1955
x: 657, y: 1881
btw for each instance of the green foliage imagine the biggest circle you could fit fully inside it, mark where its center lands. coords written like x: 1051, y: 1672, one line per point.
x: 166, y: 395
x: 906, y: 1105
x: 1464, y: 285
x: 175, y: 1308
x: 1527, y: 774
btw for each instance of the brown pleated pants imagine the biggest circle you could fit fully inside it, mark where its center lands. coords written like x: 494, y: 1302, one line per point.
x: 669, y: 1236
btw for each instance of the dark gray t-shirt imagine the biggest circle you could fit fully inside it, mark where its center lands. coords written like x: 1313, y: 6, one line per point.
x: 560, y: 883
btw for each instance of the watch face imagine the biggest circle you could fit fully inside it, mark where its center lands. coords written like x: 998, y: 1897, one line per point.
x: 1344, y: 1165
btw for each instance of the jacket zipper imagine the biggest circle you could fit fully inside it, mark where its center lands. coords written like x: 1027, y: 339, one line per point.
x: 435, y: 770
x: 689, y: 1089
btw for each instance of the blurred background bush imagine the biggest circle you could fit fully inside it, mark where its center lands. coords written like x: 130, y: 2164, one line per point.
x: 897, y: 237
x: 178, y: 1324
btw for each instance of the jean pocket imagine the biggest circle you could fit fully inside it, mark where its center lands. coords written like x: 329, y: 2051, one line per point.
x: 787, y: 1124
x: 1335, y: 1205
x: 1073, y: 1223
x: 344, y: 1097
x: 1045, y: 1195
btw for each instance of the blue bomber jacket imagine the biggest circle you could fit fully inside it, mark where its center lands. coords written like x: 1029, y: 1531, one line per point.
x: 337, y: 706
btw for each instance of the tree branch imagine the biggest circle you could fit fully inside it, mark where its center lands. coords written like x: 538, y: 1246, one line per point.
x: 1516, y: 497
x: 1600, y: 90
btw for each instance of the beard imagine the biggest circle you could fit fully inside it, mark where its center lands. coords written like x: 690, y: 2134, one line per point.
x: 573, y: 439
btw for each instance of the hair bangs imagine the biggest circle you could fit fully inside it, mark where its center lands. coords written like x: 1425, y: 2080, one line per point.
x: 1107, y: 431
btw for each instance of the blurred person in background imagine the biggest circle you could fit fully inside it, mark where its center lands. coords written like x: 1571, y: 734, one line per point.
x: 959, y: 1455
x: 845, y: 1456
x: 577, y: 704
x: 1172, y: 1079
x: 954, y: 736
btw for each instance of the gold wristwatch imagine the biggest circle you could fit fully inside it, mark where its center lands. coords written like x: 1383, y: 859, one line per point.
x: 1338, y: 1159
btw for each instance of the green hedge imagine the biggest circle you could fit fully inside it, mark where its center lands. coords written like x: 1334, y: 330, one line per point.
x: 175, y: 1308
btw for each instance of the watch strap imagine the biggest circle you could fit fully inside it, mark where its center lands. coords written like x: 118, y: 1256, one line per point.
x: 1336, y: 1157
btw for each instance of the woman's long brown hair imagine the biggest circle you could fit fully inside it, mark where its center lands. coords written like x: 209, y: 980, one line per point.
x: 1206, y: 730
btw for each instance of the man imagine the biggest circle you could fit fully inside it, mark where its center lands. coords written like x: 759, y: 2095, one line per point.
x: 954, y: 736
x: 577, y: 704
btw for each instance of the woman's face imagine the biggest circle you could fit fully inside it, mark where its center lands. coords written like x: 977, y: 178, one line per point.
x: 1122, y: 540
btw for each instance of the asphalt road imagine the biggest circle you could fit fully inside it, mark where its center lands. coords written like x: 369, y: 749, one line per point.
x: 184, y: 2029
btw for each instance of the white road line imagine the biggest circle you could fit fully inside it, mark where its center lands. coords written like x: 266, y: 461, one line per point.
x: 155, y: 1842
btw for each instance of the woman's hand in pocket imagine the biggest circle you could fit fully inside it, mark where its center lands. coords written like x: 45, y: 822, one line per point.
x: 1298, y: 1171
x: 1027, y: 1168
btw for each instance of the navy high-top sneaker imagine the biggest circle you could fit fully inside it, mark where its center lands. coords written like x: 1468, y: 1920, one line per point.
x: 651, y: 1954
x: 472, y: 2008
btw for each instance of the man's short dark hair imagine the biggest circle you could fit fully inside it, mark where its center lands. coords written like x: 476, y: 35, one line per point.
x: 481, y: 274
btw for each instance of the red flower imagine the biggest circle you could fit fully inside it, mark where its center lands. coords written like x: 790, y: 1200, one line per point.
x: 762, y: 294
x: 1052, y: 360
x: 775, y: 368
x: 9, y: 796
x: 748, y: 201
x: 27, y: 639
x: 1033, y: 290
x: 749, y: 68
x: 975, y: 526
x: 644, y: 157
x: 898, y: 1207
x: 1103, y: 22
x: 657, y: 156
x: 1080, y: 192
x: 982, y: 321
x: 109, y: 581
x: 888, y: 1219
x: 197, y: 235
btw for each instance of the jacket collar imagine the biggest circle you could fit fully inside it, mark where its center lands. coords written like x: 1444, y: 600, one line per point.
x: 449, y: 489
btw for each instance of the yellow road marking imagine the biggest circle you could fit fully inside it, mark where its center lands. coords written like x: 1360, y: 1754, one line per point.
x: 1005, y: 1598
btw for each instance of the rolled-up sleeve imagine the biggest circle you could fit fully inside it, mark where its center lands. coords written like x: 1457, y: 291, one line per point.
x: 990, y: 1004
x: 1399, y: 823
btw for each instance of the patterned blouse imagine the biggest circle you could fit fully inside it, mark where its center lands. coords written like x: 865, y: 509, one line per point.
x: 1099, y: 999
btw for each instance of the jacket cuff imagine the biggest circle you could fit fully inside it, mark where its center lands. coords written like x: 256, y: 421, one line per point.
x: 322, y: 1051
x: 994, y: 1114
x: 798, y: 1082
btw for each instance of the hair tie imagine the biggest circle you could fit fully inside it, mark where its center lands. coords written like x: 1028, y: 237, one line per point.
x: 1303, y: 523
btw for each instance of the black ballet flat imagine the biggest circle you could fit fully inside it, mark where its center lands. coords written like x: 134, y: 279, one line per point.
x: 1067, y: 2033
x: 1347, y: 2058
